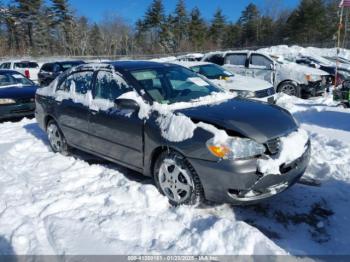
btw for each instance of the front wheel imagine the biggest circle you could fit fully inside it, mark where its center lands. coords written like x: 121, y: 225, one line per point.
x: 290, y: 88
x: 57, y: 140
x: 177, y: 180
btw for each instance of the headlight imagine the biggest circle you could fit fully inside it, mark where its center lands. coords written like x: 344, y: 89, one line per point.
x: 235, y: 148
x: 7, y: 101
x: 244, y: 93
x: 313, y: 78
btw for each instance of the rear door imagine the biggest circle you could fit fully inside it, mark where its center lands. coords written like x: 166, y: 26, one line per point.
x: 237, y: 63
x: 115, y: 133
x: 72, y: 109
x: 262, y: 67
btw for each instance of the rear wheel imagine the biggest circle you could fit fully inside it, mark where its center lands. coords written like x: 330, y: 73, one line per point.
x: 176, y: 179
x: 290, y: 88
x: 57, y: 141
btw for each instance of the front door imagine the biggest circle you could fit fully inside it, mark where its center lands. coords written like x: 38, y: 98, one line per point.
x: 237, y: 63
x: 261, y: 67
x: 115, y: 133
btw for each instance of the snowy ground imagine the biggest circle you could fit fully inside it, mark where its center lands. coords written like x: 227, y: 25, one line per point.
x: 51, y: 204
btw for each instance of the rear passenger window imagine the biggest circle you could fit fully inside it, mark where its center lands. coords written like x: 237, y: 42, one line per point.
x: 236, y: 59
x: 110, y: 86
x: 79, y: 82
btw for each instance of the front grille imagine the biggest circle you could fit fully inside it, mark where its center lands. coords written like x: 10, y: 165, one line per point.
x: 25, y: 100
x: 273, y: 146
x: 264, y: 93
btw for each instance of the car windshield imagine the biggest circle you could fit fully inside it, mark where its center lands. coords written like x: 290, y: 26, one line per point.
x: 168, y: 85
x: 14, y: 79
x: 211, y: 71
x: 26, y: 65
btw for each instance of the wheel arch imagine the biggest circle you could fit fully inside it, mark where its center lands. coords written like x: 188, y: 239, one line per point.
x: 285, y: 81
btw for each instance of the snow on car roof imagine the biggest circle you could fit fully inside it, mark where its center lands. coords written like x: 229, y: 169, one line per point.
x: 190, y: 64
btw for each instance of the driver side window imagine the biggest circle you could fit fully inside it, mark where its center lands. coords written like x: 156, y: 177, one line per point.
x: 261, y: 61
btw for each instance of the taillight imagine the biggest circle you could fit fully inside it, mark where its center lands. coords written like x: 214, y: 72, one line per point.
x: 26, y: 73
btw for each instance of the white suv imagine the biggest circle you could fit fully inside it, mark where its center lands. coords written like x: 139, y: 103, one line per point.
x: 286, y: 76
x: 28, y: 68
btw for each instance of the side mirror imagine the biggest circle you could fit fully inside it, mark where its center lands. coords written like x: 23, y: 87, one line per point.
x: 122, y: 103
x: 272, y: 66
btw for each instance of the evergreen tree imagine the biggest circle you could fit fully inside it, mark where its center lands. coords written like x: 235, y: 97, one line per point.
x: 197, y: 30
x: 154, y: 23
x: 307, y: 23
x: 95, y: 40
x: 232, y: 36
x: 217, y: 28
x: 250, y: 23
x: 180, y: 22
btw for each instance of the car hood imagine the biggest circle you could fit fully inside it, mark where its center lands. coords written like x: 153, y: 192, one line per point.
x: 247, y: 118
x: 301, y: 69
x: 238, y: 82
x: 16, y: 92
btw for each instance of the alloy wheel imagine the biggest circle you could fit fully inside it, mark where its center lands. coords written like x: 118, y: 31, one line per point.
x: 289, y: 89
x: 175, y: 182
x: 55, y: 137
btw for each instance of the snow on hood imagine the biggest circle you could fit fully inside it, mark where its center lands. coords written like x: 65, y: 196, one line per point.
x: 301, y: 69
x: 238, y: 82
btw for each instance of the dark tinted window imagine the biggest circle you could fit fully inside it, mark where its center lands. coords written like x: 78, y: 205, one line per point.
x: 26, y: 65
x: 236, y: 59
x: 79, y: 82
x: 47, y: 67
x: 110, y: 85
x: 216, y: 59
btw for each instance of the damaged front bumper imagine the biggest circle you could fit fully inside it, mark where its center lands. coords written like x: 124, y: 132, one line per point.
x: 239, y: 182
x: 316, y: 88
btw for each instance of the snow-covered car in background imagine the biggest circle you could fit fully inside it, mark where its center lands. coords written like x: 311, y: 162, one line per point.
x: 163, y: 120
x: 28, y: 68
x: 243, y: 86
x: 327, y: 65
x: 190, y: 57
x: 286, y: 76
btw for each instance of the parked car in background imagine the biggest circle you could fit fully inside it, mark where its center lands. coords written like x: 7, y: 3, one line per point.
x: 28, y: 68
x: 327, y: 65
x: 286, y: 76
x: 166, y: 121
x: 190, y: 57
x: 50, y: 71
x: 17, y: 95
x: 246, y: 87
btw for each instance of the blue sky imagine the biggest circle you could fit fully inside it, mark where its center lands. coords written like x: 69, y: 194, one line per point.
x: 95, y: 10
x: 133, y: 9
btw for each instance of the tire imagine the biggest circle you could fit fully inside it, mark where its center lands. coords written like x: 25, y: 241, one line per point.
x: 56, y: 138
x: 289, y: 88
x: 180, y: 183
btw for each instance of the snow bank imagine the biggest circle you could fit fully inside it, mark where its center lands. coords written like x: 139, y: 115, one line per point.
x: 51, y: 204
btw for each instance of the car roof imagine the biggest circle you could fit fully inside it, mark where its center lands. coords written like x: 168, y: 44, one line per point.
x: 9, y: 71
